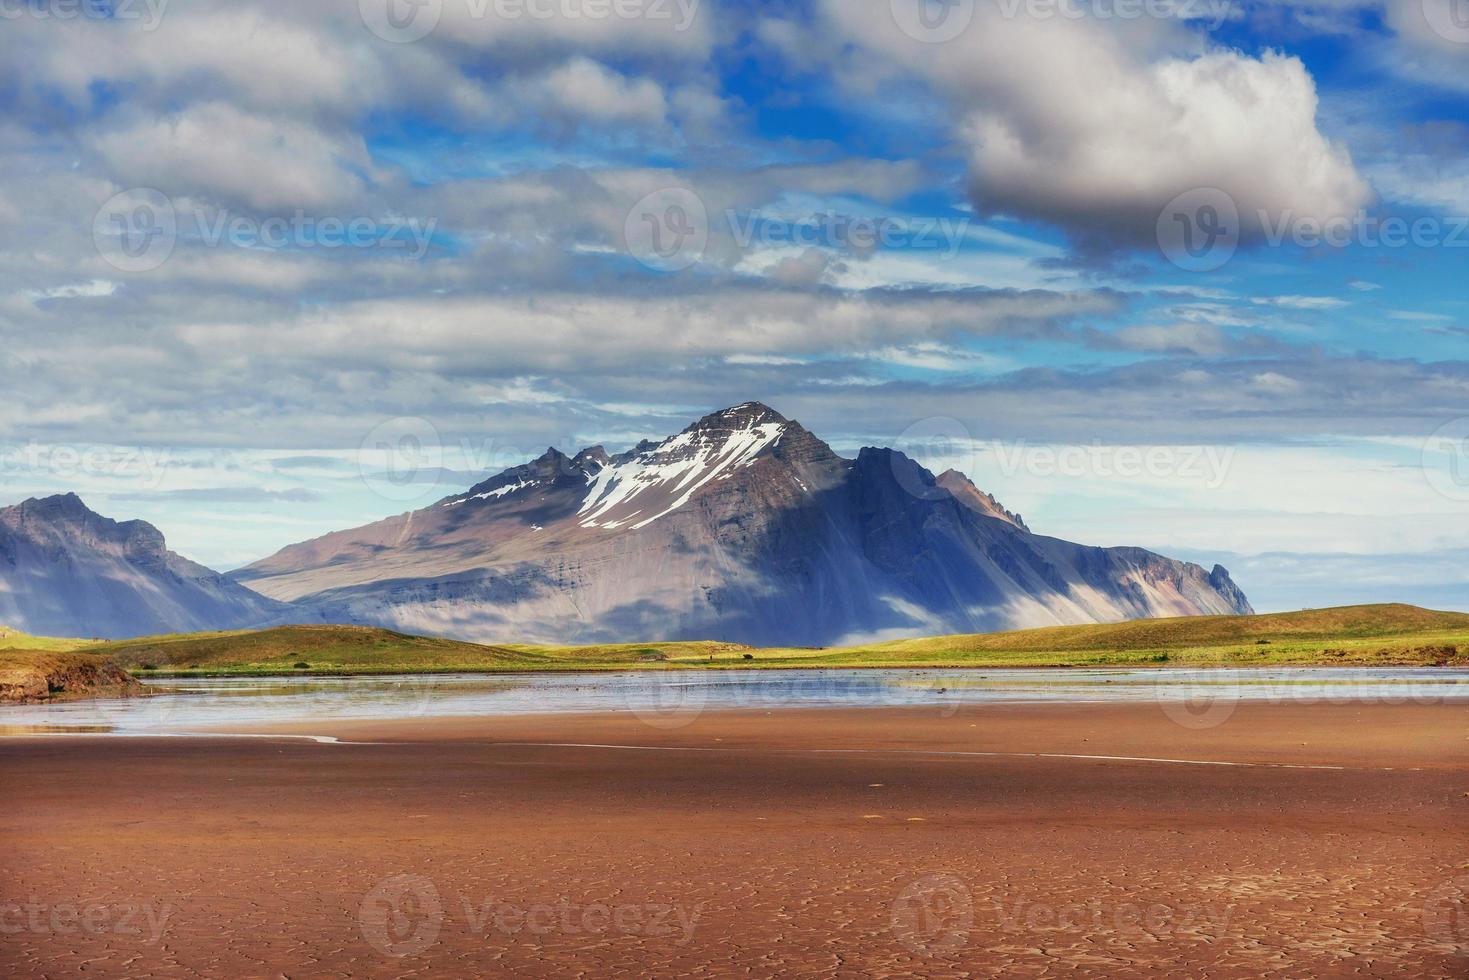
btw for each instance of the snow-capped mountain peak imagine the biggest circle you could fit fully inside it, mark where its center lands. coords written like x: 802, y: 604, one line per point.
x: 744, y: 526
x: 553, y: 468
x: 637, y: 488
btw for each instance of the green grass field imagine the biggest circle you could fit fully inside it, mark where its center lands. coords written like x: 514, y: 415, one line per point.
x: 14, y: 640
x: 1383, y: 635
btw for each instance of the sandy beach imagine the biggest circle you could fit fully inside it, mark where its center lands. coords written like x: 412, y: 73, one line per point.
x: 1015, y: 840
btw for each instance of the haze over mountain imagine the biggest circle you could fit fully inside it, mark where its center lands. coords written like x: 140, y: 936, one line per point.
x: 744, y: 527
x: 67, y: 571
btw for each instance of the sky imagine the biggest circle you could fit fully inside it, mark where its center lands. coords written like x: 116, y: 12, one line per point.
x: 1182, y: 274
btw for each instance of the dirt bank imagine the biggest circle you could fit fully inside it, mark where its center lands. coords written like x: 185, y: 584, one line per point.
x: 30, y: 676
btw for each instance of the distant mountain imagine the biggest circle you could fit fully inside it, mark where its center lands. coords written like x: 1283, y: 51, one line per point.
x: 67, y: 571
x: 744, y: 527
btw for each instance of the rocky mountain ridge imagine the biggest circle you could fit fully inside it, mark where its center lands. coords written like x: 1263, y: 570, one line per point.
x: 743, y: 527
x: 67, y: 571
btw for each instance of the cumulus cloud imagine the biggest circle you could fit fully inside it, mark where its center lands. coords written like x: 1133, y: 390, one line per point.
x: 265, y: 103
x: 220, y: 153
x: 586, y: 90
x: 1433, y: 42
x: 527, y: 140
x: 808, y: 266
x: 1096, y: 127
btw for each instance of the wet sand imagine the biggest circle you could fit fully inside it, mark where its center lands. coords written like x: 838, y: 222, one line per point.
x: 986, y: 841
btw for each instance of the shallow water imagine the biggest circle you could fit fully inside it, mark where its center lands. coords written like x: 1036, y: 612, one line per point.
x: 675, y: 696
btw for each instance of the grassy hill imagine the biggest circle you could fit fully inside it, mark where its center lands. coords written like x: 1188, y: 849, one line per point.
x: 1353, y: 635
x: 358, y: 649
x: 368, y: 650
x: 15, y: 640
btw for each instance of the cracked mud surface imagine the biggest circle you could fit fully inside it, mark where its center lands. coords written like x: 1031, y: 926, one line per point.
x: 456, y: 847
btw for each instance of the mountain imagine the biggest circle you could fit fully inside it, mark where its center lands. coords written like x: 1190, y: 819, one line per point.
x: 975, y: 499
x: 67, y: 571
x: 744, y: 527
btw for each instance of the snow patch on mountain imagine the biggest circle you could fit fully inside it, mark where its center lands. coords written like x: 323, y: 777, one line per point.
x: 676, y: 468
x: 504, y: 491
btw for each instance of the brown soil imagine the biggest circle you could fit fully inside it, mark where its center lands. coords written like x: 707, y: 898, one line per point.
x: 795, y: 843
x: 28, y: 676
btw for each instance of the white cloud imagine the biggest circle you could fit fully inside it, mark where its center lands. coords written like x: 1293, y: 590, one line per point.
x: 930, y: 356
x: 79, y: 290
x: 1275, y: 383
x: 586, y: 90
x: 1096, y: 127
x: 224, y: 155
x: 1432, y: 44
x: 1190, y: 338
x: 1301, y: 302
x: 763, y: 360
x: 563, y: 332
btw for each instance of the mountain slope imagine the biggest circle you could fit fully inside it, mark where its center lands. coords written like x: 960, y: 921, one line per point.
x: 67, y: 571
x: 745, y: 528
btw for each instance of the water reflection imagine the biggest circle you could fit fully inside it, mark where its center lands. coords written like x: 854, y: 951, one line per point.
x: 212, y: 702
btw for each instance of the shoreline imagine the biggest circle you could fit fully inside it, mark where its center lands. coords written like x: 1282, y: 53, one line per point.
x: 1144, y: 666
x: 1256, y: 731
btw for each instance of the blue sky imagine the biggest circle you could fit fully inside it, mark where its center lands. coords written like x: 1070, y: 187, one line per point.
x: 243, y: 240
